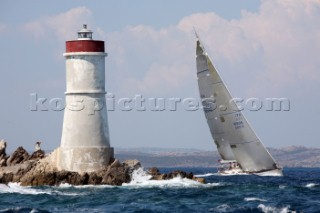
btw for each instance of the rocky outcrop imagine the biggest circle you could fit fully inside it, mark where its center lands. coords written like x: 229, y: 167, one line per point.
x: 38, y: 173
x: 38, y: 170
x: 18, y: 156
x: 156, y: 175
x: 3, y: 155
x: 37, y: 155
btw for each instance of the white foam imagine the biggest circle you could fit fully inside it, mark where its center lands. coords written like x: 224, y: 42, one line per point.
x: 271, y: 209
x: 206, y: 175
x: 140, y: 178
x: 16, y: 188
x: 282, y: 186
x: 214, y: 184
x: 254, y: 199
x: 221, y: 208
x: 94, y: 186
x: 67, y: 185
x: 311, y: 185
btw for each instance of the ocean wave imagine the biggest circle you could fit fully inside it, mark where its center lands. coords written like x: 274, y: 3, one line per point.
x: 16, y: 188
x: 141, y: 179
x: 206, y: 175
x: 67, y: 185
x: 29, y: 190
x: 176, y: 182
x: 311, y: 185
x: 254, y: 199
x: 22, y: 209
x: 221, y: 208
x: 282, y: 186
x: 271, y: 209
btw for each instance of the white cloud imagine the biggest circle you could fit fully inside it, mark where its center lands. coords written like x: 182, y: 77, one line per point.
x: 283, y: 36
x: 63, y: 25
x: 270, y: 51
x: 148, y: 60
x: 267, y: 52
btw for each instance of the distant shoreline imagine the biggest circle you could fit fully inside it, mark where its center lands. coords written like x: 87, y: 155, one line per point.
x: 287, y: 157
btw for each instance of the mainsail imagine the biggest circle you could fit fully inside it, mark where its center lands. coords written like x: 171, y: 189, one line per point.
x: 234, y: 137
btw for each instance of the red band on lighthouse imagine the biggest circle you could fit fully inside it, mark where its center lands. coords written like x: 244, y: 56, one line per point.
x: 84, y: 46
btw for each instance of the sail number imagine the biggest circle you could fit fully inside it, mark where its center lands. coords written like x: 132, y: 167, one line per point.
x: 238, y: 124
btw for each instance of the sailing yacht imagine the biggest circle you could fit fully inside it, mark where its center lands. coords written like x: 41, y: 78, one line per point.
x: 240, y: 149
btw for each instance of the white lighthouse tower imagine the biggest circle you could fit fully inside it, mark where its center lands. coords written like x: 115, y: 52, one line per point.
x: 85, y: 145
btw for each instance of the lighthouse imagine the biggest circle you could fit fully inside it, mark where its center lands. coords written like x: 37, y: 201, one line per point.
x: 85, y: 143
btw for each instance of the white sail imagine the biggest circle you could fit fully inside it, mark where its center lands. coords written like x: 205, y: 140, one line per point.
x: 234, y: 137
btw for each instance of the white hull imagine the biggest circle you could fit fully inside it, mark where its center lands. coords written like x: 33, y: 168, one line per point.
x: 238, y: 171
x: 229, y: 172
x: 275, y: 172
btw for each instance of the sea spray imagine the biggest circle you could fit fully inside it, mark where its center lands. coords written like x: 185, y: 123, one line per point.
x: 139, y: 176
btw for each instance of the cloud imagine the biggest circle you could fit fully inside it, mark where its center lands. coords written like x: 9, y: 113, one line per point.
x: 149, y: 61
x: 267, y: 52
x: 62, y: 25
x: 283, y: 36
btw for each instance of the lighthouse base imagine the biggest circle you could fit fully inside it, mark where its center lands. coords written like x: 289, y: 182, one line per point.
x: 84, y: 159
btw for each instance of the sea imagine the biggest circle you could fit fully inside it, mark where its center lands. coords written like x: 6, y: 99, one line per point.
x: 297, y: 191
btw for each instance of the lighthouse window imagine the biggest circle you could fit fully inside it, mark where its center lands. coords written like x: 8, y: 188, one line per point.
x: 85, y: 35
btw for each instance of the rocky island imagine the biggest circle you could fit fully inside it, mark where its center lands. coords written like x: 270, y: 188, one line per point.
x: 39, y: 169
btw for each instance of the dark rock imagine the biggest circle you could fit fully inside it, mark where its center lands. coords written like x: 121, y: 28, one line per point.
x: 3, y: 155
x: 37, y: 155
x: 131, y: 165
x: 153, y: 171
x: 116, y: 176
x: 176, y: 173
x: 156, y: 175
x: 73, y: 178
x: 159, y: 177
x: 83, y: 179
x: 115, y: 163
x: 94, y: 179
x: 6, y: 178
x: 22, y: 170
x: 18, y: 156
x: 199, y: 179
x: 3, y: 160
x: 189, y: 175
x: 36, y: 170
x: 46, y: 178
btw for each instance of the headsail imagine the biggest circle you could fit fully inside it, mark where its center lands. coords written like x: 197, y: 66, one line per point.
x: 234, y: 137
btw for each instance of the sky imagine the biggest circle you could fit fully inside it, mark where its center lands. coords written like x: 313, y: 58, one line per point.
x: 262, y: 49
